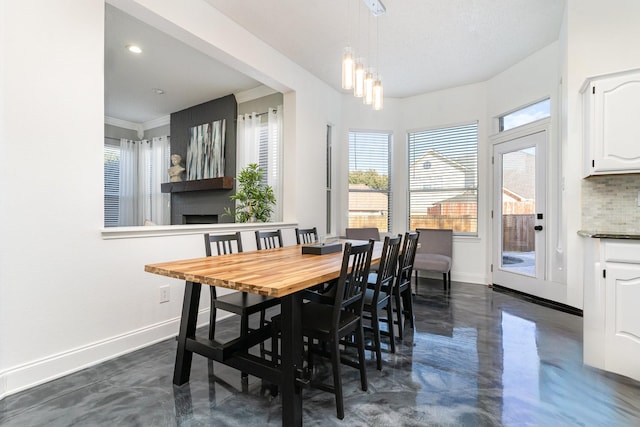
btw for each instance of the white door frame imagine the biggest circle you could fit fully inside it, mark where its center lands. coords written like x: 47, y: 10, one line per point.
x: 537, y: 134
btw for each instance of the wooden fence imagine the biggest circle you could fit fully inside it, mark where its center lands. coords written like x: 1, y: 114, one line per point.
x: 518, y: 234
x: 361, y: 221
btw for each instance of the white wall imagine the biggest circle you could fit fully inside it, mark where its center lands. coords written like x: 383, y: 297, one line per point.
x: 52, y: 190
x: 68, y: 297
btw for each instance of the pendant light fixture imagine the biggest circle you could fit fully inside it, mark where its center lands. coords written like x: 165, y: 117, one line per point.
x: 377, y: 94
x: 358, y: 79
x: 347, y: 69
x: 368, y: 88
x: 356, y: 75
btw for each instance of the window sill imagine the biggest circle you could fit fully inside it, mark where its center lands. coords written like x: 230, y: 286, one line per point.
x: 181, y: 230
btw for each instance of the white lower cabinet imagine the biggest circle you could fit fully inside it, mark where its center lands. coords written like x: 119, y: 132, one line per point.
x: 612, y: 307
x: 622, y: 319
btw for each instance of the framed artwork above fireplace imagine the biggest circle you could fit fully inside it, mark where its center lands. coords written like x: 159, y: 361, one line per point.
x: 205, y: 152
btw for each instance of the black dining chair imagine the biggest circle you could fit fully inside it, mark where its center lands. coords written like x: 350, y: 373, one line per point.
x: 326, y: 321
x: 268, y: 239
x: 379, y: 296
x: 402, y: 289
x: 306, y: 235
x: 241, y: 303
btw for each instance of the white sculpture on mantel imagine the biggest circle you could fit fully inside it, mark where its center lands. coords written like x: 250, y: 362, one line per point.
x: 175, y: 171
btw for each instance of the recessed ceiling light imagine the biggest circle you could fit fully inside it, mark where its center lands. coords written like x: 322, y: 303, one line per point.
x: 158, y: 91
x: 134, y: 48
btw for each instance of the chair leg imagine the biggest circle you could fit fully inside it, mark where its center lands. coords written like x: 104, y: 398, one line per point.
x: 399, y: 313
x: 444, y: 281
x: 390, y: 327
x: 262, y: 323
x: 375, y: 325
x: 417, y: 280
x: 212, y: 313
x: 361, y: 358
x: 408, y: 306
x: 337, y: 381
x: 310, y: 356
x: 449, y: 278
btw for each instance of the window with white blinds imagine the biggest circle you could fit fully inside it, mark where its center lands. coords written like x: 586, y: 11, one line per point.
x: 443, y: 179
x: 150, y: 168
x: 263, y: 152
x: 111, y: 185
x: 370, y: 180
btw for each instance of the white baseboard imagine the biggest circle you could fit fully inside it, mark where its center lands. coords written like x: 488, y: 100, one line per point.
x: 22, y: 377
x: 475, y: 279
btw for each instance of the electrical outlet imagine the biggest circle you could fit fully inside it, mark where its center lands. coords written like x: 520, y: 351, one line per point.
x: 164, y: 293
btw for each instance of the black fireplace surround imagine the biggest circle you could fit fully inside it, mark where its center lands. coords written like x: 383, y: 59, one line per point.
x: 204, y: 206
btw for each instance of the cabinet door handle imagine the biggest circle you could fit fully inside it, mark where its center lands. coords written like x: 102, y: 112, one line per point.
x: 537, y: 227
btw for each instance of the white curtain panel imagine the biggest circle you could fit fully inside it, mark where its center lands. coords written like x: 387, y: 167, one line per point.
x: 127, y: 209
x: 143, y: 167
x: 275, y: 158
x: 248, y: 140
x: 159, y: 202
x: 143, y: 190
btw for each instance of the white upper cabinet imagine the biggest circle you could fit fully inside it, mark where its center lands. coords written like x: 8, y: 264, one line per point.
x: 612, y: 124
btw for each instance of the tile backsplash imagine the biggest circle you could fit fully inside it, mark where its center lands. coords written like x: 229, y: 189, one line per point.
x: 610, y: 203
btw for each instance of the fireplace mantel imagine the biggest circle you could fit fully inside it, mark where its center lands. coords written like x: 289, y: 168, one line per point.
x: 223, y: 183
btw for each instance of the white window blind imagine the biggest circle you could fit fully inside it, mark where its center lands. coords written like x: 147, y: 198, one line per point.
x: 263, y: 151
x: 111, y: 184
x: 443, y: 179
x: 369, y: 180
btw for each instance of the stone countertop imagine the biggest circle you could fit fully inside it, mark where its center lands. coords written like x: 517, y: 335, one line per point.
x: 609, y: 235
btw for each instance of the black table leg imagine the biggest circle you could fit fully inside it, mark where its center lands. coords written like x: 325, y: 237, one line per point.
x: 188, y: 322
x: 291, y: 307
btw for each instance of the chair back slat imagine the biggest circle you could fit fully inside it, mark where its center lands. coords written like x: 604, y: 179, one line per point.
x: 306, y: 235
x: 407, y: 257
x: 224, y: 244
x: 353, y: 279
x: 388, y: 265
x: 268, y: 239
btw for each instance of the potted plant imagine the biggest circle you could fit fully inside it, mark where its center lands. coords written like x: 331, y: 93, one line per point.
x: 254, y: 200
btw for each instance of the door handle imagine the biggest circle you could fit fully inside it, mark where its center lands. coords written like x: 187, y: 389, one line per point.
x: 537, y: 227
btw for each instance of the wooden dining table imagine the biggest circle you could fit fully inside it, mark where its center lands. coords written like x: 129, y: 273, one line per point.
x: 283, y: 273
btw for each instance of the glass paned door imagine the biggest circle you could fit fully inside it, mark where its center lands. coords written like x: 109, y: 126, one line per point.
x: 519, y: 235
x: 518, y: 211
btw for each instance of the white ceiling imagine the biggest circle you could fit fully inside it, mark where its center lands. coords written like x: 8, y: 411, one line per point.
x: 424, y: 45
x: 187, y: 76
